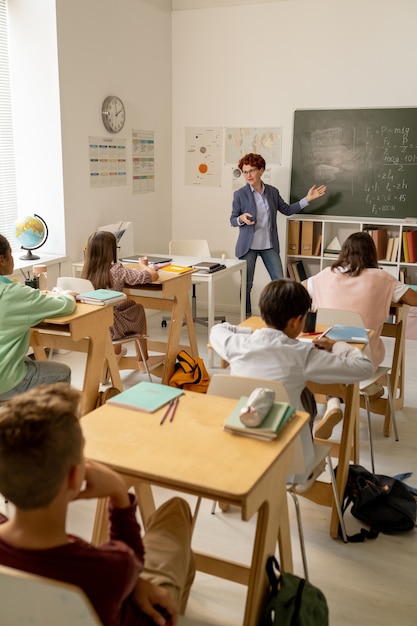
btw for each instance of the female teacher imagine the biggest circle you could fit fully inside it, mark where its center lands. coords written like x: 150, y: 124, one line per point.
x: 254, y: 211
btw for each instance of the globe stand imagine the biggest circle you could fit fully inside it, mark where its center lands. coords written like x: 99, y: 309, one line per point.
x: 28, y: 256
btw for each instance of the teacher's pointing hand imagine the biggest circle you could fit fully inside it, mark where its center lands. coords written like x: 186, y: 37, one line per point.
x: 316, y: 192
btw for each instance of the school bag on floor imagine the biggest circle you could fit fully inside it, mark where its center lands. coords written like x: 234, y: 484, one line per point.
x: 382, y: 502
x: 190, y: 373
x: 292, y: 601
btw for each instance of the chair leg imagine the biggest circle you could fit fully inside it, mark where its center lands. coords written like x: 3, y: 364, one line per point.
x: 336, y: 498
x: 213, y: 507
x: 391, y: 404
x: 371, y: 445
x: 141, y: 356
x: 300, y: 532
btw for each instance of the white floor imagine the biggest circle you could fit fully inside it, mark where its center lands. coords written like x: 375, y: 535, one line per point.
x: 368, y: 584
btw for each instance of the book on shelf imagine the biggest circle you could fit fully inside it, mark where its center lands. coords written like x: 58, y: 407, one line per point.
x: 290, y: 271
x: 307, y: 238
x: 334, y: 247
x: 403, y: 275
x: 395, y: 245
x: 145, y: 396
x: 177, y: 269
x: 205, y: 267
x: 390, y: 243
x: 406, y: 253
x: 350, y: 334
x: 152, y: 260
x: 101, y: 297
x: 299, y: 271
x: 294, y: 230
x: 380, y: 237
x: 317, y: 247
x: 412, y: 245
x: 273, y: 423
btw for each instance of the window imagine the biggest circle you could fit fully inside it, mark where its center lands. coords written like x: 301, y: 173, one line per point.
x: 8, y: 191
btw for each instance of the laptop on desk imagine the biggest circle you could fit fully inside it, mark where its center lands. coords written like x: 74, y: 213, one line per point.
x: 152, y: 260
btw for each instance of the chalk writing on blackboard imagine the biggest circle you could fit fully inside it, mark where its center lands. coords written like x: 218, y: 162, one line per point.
x: 367, y: 158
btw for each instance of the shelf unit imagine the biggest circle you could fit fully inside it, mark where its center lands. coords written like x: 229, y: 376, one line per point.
x: 342, y: 227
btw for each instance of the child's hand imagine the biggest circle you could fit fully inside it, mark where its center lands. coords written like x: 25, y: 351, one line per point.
x: 156, y: 602
x: 323, y: 343
x: 102, y: 482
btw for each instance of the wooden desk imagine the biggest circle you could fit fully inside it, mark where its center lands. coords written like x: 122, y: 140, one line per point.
x: 193, y: 454
x: 168, y: 293
x: 345, y: 450
x: 85, y: 330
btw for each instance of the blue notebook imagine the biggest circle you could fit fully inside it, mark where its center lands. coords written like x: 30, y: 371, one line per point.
x: 351, y: 334
x: 145, y: 396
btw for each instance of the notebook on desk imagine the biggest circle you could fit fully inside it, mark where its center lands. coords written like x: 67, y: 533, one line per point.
x: 152, y: 260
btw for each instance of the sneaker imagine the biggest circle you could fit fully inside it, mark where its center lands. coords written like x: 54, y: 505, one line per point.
x: 304, y: 487
x: 373, y: 391
x: 332, y: 417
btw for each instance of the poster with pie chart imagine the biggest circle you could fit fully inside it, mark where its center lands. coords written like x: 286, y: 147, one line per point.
x: 203, y: 156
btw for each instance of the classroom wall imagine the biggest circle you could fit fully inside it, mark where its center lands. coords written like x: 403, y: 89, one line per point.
x: 70, y: 55
x: 253, y: 65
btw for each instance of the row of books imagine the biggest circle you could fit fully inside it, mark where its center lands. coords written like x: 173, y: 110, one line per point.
x: 303, y: 238
x: 387, y: 245
x: 296, y: 271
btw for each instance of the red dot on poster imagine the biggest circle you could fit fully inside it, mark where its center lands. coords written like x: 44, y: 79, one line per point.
x: 202, y: 168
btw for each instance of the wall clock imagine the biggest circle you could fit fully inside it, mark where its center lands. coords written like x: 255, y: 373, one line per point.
x: 113, y: 114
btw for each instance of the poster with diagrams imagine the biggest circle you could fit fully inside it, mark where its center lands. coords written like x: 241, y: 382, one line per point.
x: 203, y: 156
x: 264, y: 141
x: 143, y: 161
x: 107, y: 161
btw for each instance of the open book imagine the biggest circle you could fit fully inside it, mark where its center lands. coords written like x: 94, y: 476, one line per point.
x: 274, y: 421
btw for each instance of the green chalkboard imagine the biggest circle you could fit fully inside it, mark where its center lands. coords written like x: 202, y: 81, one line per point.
x: 366, y: 157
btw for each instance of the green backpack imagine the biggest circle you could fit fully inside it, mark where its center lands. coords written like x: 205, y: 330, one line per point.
x: 292, y: 601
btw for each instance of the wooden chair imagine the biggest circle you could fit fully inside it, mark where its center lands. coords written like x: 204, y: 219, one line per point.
x: 30, y: 600
x: 381, y: 376
x: 237, y: 386
x: 80, y: 285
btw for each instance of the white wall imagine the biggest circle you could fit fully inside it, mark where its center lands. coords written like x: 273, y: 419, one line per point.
x: 254, y: 65
x: 104, y: 48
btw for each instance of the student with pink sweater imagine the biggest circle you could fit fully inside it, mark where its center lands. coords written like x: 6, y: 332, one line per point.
x: 355, y: 283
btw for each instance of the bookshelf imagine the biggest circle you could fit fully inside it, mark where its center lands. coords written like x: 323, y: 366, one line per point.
x: 341, y: 227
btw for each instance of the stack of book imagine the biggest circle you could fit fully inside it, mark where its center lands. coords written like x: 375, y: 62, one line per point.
x: 273, y: 423
x: 207, y: 267
x: 101, y: 297
x: 296, y: 271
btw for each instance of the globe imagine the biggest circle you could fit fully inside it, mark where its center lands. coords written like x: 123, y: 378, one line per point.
x: 31, y: 233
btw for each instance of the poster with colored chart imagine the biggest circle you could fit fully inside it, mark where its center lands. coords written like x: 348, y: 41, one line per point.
x: 203, y: 156
x: 264, y: 141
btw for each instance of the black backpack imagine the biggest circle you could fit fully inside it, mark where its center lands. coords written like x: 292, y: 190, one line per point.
x: 382, y: 502
x: 292, y: 601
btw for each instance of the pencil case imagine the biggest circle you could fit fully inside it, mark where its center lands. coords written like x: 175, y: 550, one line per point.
x: 258, y: 406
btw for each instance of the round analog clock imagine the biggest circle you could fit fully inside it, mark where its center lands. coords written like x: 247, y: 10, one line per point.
x: 113, y: 114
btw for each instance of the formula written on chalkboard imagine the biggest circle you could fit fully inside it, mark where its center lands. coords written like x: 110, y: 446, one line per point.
x: 366, y: 157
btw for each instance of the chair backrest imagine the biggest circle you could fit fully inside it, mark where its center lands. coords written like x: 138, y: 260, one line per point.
x: 190, y: 247
x: 237, y: 386
x: 339, y: 316
x: 30, y: 600
x: 77, y: 285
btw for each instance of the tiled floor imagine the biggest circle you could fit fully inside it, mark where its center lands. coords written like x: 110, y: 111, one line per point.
x: 369, y: 584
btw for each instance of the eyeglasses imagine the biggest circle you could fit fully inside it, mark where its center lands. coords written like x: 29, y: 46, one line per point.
x: 254, y: 169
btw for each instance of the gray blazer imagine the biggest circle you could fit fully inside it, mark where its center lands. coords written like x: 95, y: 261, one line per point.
x: 244, y: 202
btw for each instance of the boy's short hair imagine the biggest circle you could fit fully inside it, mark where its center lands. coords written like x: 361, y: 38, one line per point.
x: 40, y: 440
x: 281, y: 300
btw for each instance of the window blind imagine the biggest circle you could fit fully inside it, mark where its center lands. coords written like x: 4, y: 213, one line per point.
x: 8, y: 191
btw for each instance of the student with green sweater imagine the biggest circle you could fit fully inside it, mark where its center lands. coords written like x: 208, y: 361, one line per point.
x: 22, y: 307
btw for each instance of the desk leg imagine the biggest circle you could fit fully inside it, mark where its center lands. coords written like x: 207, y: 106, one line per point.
x: 181, y: 308
x: 210, y: 295
x: 243, y: 293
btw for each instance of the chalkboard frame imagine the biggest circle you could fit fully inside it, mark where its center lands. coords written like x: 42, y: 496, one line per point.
x: 366, y: 157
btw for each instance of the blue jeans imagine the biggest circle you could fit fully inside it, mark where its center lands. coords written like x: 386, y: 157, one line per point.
x: 39, y: 373
x: 273, y: 266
